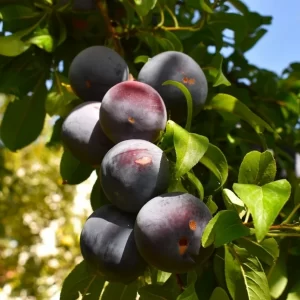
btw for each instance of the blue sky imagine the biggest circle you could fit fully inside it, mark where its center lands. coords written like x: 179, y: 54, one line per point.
x: 281, y: 44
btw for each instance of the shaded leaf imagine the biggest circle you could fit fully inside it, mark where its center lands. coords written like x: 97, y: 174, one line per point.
x: 81, y: 282
x: 267, y: 251
x: 98, y: 198
x: 197, y: 184
x: 215, y: 161
x: 119, y: 291
x: 72, y: 170
x: 23, y: 119
x: 143, y: 7
x: 189, y: 293
x: 245, y: 276
x: 219, y: 294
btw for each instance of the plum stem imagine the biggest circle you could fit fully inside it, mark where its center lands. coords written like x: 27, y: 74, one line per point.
x: 179, y: 282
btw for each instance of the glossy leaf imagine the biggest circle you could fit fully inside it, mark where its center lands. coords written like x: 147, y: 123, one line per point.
x: 223, y: 228
x: 228, y: 103
x: 189, y: 148
x: 232, y: 202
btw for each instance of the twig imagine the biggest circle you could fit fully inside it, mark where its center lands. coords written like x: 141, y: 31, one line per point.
x: 102, y: 5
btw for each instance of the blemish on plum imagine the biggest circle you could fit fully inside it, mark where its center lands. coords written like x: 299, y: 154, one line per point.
x: 183, y: 245
x: 188, y: 81
x: 193, y: 225
x: 146, y: 160
x: 131, y: 120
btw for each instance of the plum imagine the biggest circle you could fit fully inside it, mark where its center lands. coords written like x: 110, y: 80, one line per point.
x: 132, y: 110
x: 177, y: 66
x: 168, y: 231
x: 82, y: 134
x: 107, y: 244
x: 133, y: 172
x: 95, y: 70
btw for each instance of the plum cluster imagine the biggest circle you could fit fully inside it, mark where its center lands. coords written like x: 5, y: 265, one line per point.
x: 115, y: 130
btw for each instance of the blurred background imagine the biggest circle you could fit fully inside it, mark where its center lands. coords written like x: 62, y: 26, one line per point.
x: 41, y: 219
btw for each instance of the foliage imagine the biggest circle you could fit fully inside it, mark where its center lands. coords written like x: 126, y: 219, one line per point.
x: 238, y: 154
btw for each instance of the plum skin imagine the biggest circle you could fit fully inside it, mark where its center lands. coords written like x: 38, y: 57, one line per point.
x: 107, y: 244
x: 133, y: 172
x: 177, y: 66
x: 95, y: 70
x: 82, y: 134
x: 168, y: 232
x: 133, y: 110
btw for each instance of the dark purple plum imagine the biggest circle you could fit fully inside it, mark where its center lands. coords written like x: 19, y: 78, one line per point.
x: 82, y: 134
x: 132, y: 110
x: 168, y: 232
x: 133, y: 172
x: 107, y: 244
x: 95, y: 70
x: 177, y: 66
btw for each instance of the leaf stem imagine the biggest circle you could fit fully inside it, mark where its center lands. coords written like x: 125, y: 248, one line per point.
x: 291, y: 215
x: 162, y: 17
x: 172, y: 16
x: 283, y: 234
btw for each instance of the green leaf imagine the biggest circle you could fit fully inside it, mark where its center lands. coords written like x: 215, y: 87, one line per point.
x: 267, y: 251
x: 13, y: 45
x: 228, y: 103
x: 212, y: 206
x: 257, y: 168
x: 60, y: 98
x: 168, y: 290
x: 188, y: 98
x: 23, y: 119
x: 162, y: 276
x: 81, y: 282
x: 197, y: 184
x: 264, y: 203
x: 189, y: 293
x: 172, y: 37
x: 72, y: 170
x: 119, y: 291
x: 278, y: 279
x: 245, y: 276
x: 44, y: 42
x: 98, y: 198
x: 205, y: 7
x: 224, y: 227
x: 219, y: 294
x: 294, y: 293
x: 143, y: 7
x: 141, y: 59
x: 189, y: 148
x: 215, y: 71
x: 232, y: 202
x: 215, y: 161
